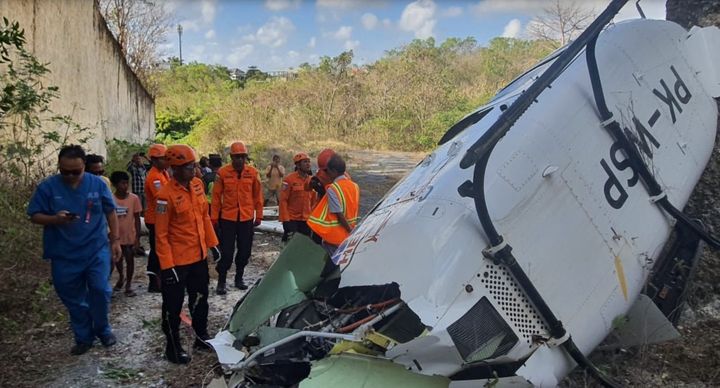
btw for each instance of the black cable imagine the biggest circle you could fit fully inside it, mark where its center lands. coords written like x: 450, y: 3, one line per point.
x: 632, y: 153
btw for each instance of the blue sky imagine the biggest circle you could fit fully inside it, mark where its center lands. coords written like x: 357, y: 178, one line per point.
x: 281, y: 34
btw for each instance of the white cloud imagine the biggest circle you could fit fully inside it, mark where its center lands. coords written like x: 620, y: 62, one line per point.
x: 188, y: 25
x: 208, y: 10
x: 293, y: 55
x: 343, y: 33
x: 351, y: 44
x: 281, y: 5
x: 387, y: 23
x: 312, y: 42
x: 349, y: 4
x: 485, y: 7
x: 452, y: 12
x: 512, y: 29
x: 274, y: 33
x: 239, y: 54
x: 216, y: 58
x: 369, y: 21
x: 210, y: 34
x: 419, y: 17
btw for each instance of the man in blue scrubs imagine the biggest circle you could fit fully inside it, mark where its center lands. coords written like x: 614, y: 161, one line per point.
x: 76, y: 209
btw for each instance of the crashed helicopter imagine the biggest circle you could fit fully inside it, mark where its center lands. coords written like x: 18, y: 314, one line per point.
x: 543, y: 222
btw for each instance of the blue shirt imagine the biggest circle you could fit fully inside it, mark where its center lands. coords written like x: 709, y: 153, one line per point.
x: 84, y: 237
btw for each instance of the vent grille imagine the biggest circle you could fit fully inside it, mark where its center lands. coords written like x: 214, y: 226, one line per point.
x: 482, y: 333
x: 508, y: 295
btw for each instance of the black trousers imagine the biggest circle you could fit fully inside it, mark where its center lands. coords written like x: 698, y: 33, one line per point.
x: 153, y: 263
x: 234, y: 233
x: 291, y: 227
x: 194, y: 278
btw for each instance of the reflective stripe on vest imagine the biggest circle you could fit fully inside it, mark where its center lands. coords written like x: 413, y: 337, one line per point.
x: 325, y: 224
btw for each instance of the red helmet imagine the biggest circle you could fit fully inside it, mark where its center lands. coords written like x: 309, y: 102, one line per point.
x: 324, y: 157
x: 238, y: 148
x: 157, y: 150
x: 180, y: 154
x: 300, y: 157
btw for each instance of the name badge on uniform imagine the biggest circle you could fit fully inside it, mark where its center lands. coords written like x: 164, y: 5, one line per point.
x: 161, y: 207
x: 121, y: 211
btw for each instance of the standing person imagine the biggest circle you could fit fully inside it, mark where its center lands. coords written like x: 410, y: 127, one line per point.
x: 321, y: 180
x: 295, y: 200
x: 275, y: 173
x: 156, y: 178
x: 138, y: 172
x: 336, y: 215
x: 215, y: 162
x: 237, y: 206
x: 184, y: 234
x: 204, y: 165
x: 95, y: 164
x: 75, y: 210
x: 128, y: 213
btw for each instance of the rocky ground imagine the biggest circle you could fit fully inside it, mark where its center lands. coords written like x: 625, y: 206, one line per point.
x: 40, y: 357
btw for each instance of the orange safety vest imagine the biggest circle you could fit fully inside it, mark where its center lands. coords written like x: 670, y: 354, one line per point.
x: 183, y: 231
x: 154, y: 181
x: 237, y: 196
x: 325, y: 224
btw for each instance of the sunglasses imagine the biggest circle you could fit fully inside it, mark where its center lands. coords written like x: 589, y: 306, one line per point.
x: 70, y: 172
x: 188, y: 167
x: 98, y: 173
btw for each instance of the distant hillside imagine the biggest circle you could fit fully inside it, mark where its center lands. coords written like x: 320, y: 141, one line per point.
x: 404, y: 101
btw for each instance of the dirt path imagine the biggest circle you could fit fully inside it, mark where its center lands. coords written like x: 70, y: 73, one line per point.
x: 137, y: 359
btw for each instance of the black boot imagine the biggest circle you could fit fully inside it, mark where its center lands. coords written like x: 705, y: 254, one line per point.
x: 240, y: 284
x: 176, y: 354
x: 220, y: 289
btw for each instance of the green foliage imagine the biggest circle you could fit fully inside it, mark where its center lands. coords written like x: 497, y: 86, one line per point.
x: 406, y: 100
x: 120, y: 152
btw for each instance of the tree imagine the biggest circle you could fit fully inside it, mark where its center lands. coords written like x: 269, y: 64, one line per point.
x: 140, y: 27
x: 560, y: 22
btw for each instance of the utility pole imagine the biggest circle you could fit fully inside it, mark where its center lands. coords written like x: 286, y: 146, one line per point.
x: 179, y: 29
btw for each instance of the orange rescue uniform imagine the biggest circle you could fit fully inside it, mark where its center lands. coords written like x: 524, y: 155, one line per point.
x: 325, y: 224
x: 183, y: 231
x: 237, y: 196
x: 296, y: 201
x: 154, y: 181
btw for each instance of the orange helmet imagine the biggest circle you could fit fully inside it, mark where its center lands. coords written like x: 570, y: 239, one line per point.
x: 180, y: 154
x: 300, y: 157
x: 324, y: 157
x: 157, y: 150
x: 238, y: 148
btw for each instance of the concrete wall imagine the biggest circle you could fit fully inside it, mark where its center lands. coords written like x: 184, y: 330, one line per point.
x: 97, y: 87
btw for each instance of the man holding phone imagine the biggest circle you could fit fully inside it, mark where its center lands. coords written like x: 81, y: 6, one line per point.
x: 75, y: 210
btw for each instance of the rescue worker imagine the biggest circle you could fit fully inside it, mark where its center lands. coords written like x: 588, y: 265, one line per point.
x: 321, y: 180
x: 237, y: 206
x: 184, y: 234
x: 336, y: 215
x: 296, y: 201
x: 156, y: 178
x: 75, y: 210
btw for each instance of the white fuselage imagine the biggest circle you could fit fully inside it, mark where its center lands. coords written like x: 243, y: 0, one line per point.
x: 581, y: 225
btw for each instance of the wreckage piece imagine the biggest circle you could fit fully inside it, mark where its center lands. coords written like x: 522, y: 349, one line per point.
x: 560, y: 189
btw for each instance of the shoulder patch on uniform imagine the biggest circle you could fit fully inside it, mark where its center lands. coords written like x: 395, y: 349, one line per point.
x: 285, y: 185
x: 161, y: 207
x: 157, y: 183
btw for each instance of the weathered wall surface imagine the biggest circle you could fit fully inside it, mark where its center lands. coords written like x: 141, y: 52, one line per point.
x: 97, y: 88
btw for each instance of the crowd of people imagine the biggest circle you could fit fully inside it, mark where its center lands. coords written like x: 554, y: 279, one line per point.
x: 195, y: 210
